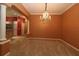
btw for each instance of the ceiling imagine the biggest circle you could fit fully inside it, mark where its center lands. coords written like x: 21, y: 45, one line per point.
x: 53, y: 8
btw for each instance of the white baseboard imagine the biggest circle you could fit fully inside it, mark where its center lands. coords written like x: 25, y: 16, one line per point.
x: 3, y: 42
x: 7, y: 54
x: 15, y: 37
x: 69, y: 45
x: 43, y: 38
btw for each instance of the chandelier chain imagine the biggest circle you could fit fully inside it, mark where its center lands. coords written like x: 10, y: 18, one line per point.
x: 45, y: 6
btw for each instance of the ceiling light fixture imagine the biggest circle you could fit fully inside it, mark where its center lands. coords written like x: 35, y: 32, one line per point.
x: 45, y: 16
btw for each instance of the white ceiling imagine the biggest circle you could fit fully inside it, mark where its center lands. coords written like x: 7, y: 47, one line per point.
x: 53, y: 8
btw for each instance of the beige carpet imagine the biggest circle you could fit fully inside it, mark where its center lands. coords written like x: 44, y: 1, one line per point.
x: 40, y: 47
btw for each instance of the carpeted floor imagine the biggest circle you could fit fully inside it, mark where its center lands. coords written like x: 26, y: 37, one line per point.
x: 40, y: 47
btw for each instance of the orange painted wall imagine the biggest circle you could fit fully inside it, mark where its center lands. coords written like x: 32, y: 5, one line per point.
x: 71, y: 25
x: 50, y: 29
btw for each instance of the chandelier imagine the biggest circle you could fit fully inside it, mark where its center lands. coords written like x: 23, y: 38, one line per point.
x: 45, y: 16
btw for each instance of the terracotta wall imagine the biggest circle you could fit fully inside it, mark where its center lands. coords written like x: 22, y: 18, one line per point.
x: 4, y: 48
x: 50, y: 29
x: 71, y: 25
